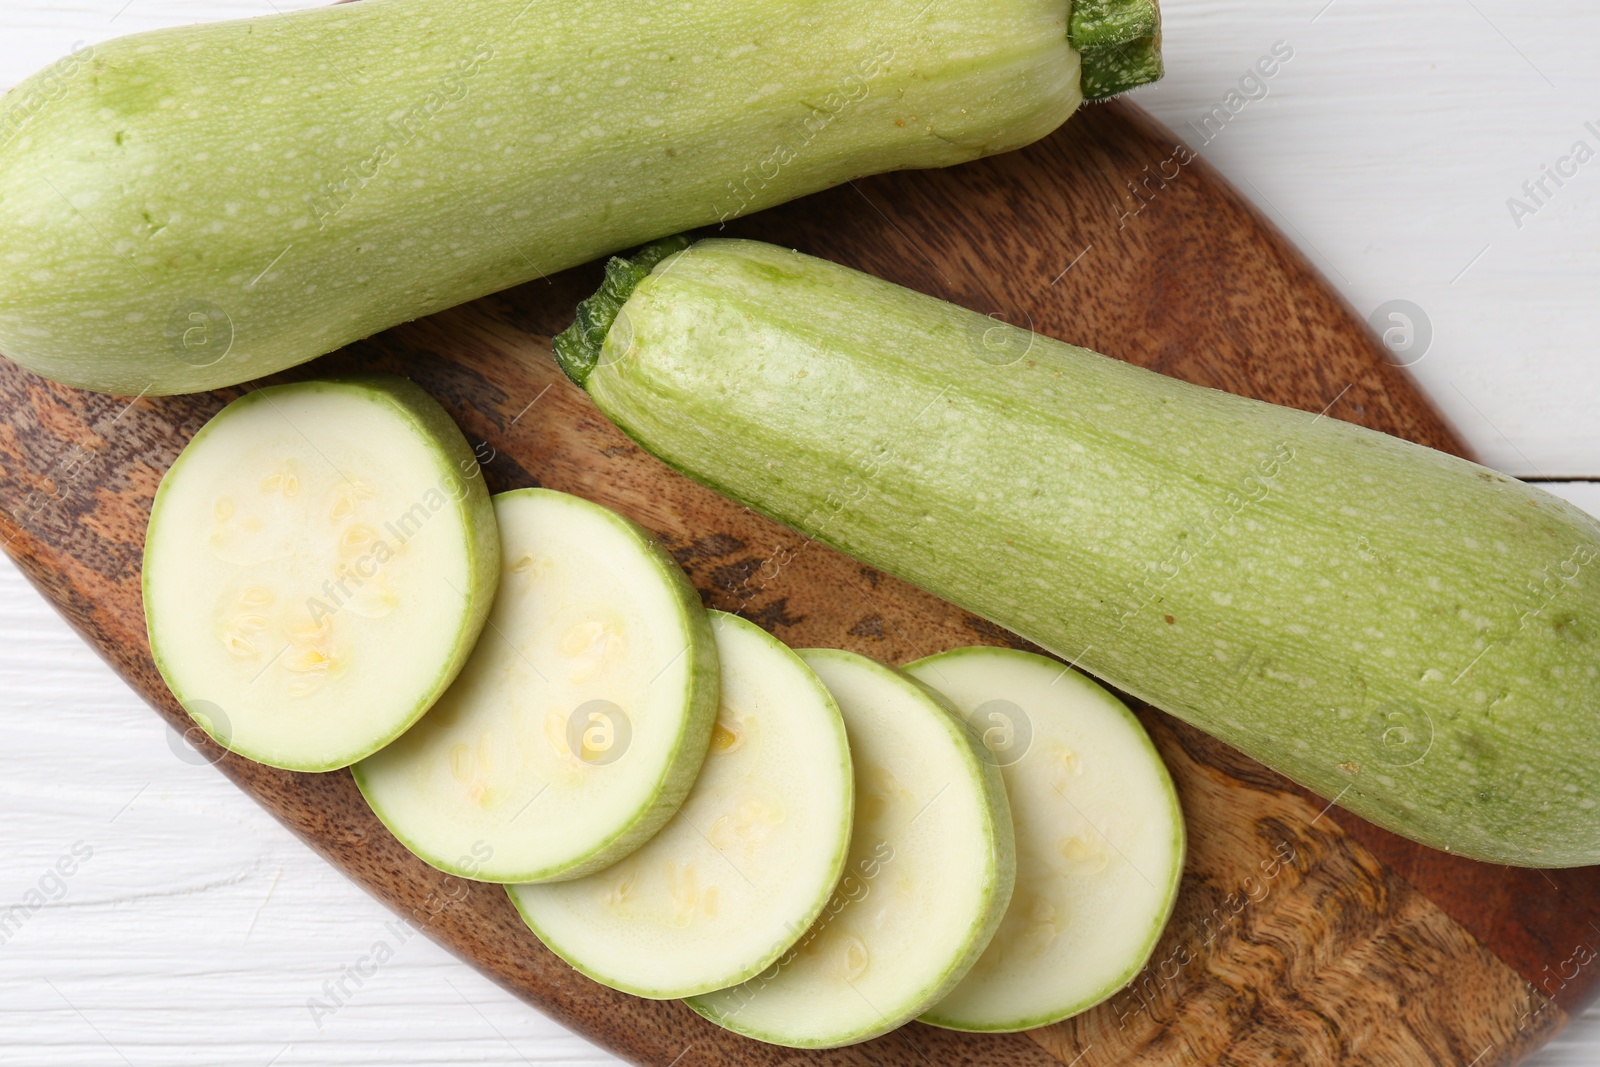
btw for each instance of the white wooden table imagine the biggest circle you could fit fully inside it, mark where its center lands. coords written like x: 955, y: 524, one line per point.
x: 197, y: 929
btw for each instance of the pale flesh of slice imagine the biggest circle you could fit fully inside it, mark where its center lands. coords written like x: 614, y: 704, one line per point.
x: 320, y: 560
x: 927, y: 880
x: 745, y: 866
x: 580, y: 721
x: 1100, y: 839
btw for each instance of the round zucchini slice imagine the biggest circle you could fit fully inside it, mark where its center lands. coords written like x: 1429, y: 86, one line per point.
x: 319, y: 562
x: 745, y: 867
x: 578, y: 725
x: 927, y: 881
x: 1100, y: 839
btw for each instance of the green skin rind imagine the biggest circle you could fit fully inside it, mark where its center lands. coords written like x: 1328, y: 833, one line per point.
x: 836, y: 862
x: 1119, y: 44
x: 353, y: 182
x: 1001, y: 874
x: 438, y: 431
x: 1179, y: 847
x: 1504, y: 599
x: 688, y: 749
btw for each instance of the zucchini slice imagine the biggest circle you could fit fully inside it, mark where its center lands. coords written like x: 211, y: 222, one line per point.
x: 1100, y: 838
x: 745, y: 867
x: 928, y: 879
x: 578, y: 726
x: 319, y: 562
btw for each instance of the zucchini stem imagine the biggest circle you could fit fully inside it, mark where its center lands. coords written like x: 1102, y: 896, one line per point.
x: 577, y: 348
x: 1108, y: 72
x: 1099, y: 24
x: 1119, y: 42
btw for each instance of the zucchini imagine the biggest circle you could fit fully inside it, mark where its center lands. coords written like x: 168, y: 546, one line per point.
x: 931, y: 867
x: 320, y: 560
x: 198, y: 206
x: 1100, y: 839
x: 580, y: 722
x: 745, y: 866
x: 1401, y: 631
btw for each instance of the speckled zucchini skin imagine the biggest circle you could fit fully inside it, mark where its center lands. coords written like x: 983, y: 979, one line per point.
x: 194, y: 207
x: 1408, y: 633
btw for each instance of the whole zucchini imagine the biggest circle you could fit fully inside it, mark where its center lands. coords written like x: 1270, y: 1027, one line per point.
x: 1398, y: 629
x: 194, y: 207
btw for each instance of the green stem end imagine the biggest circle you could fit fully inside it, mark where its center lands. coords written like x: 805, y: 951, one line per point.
x: 577, y: 348
x: 1119, y: 42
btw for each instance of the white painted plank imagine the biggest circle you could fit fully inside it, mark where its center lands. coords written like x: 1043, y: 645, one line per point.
x: 197, y: 929
x: 1388, y: 147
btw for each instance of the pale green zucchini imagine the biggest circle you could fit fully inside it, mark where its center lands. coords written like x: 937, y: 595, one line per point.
x: 198, y: 206
x: 1404, y: 632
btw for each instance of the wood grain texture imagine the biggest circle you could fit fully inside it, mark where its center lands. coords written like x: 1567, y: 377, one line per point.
x: 1348, y: 944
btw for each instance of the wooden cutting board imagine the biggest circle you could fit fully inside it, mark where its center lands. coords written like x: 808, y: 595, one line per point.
x: 1302, y: 934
